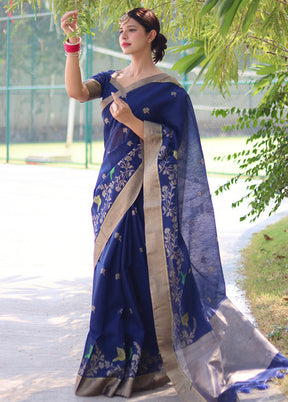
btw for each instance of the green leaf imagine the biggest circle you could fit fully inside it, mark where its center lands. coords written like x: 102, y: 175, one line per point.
x: 204, y: 65
x: 262, y: 84
x: 224, y: 7
x: 207, y: 6
x: 187, y: 63
x: 250, y: 15
x: 266, y: 69
x: 177, y: 49
x: 228, y: 18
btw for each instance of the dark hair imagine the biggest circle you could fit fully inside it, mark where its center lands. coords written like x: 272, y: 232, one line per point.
x: 149, y: 21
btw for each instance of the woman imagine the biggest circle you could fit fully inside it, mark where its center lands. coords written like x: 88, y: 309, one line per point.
x: 159, y: 308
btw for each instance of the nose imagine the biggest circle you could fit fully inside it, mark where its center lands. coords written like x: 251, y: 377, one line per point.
x: 124, y: 34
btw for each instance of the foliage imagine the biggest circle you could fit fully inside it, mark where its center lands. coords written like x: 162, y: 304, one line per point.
x: 269, y: 155
x: 221, y: 35
x: 277, y: 332
x: 226, y: 41
x: 259, y: 32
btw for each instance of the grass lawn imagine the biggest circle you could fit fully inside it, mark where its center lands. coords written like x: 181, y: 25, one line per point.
x: 57, y: 153
x: 265, y: 270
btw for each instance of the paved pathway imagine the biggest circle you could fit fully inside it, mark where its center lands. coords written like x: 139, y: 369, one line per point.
x: 46, y: 244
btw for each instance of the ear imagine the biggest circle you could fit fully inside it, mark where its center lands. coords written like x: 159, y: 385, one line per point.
x: 151, y: 35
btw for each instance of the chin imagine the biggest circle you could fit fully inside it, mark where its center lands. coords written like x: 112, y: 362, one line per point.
x: 126, y: 51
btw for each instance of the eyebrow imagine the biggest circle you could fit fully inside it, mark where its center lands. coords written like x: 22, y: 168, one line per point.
x: 129, y: 26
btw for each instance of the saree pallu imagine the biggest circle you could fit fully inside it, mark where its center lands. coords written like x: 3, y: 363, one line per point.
x: 159, y: 306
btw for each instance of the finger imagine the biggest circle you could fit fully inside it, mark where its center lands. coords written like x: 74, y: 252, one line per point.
x: 114, y: 96
x: 69, y: 18
x: 117, y: 100
x: 74, y: 16
x: 68, y: 14
x: 113, y: 107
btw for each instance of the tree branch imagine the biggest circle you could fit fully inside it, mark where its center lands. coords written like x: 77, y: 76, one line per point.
x: 268, y: 14
x: 270, y: 42
x: 282, y: 2
x: 236, y: 33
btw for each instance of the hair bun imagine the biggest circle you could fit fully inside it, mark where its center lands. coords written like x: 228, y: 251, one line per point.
x: 158, y: 47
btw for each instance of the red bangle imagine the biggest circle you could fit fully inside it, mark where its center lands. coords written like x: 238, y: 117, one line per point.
x: 72, y: 47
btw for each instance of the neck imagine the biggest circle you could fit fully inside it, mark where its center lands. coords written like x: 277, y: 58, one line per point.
x: 141, y: 64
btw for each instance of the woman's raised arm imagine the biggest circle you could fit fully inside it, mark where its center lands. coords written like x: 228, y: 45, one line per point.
x: 73, y: 80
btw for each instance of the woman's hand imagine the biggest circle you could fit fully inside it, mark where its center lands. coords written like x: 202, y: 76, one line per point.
x: 69, y: 24
x: 121, y: 111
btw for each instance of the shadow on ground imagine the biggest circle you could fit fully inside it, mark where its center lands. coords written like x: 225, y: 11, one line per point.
x: 43, y: 331
x: 42, y: 334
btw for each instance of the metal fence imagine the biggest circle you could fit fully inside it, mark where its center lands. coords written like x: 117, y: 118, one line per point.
x: 35, y: 109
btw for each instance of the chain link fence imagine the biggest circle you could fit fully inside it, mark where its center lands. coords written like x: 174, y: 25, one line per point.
x: 39, y: 123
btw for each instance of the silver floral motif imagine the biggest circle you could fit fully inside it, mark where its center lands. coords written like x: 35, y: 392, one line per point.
x: 97, y: 362
x: 121, y: 174
x: 168, y: 171
x: 118, y: 237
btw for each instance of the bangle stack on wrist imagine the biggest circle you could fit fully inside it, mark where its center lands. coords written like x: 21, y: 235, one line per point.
x: 72, y: 49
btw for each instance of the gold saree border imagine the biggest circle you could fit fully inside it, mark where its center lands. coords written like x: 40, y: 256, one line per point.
x: 109, y: 99
x: 111, y: 386
x: 118, y: 209
x: 94, y: 88
x: 123, y: 91
x: 96, y: 386
x: 161, y: 77
x: 157, y: 266
x: 141, y: 383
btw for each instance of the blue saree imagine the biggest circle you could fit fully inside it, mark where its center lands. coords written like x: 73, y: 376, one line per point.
x: 159, y: 307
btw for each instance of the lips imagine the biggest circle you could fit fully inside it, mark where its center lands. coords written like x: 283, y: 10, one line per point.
x: 125, y: 44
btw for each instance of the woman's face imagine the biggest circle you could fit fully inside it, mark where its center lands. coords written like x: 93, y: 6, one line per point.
x: 133, y: 37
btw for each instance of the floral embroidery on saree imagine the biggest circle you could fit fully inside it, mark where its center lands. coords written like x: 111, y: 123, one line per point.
x: 112, y: 184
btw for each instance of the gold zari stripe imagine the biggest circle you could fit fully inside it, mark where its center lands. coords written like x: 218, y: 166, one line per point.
x: 120, y: 206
